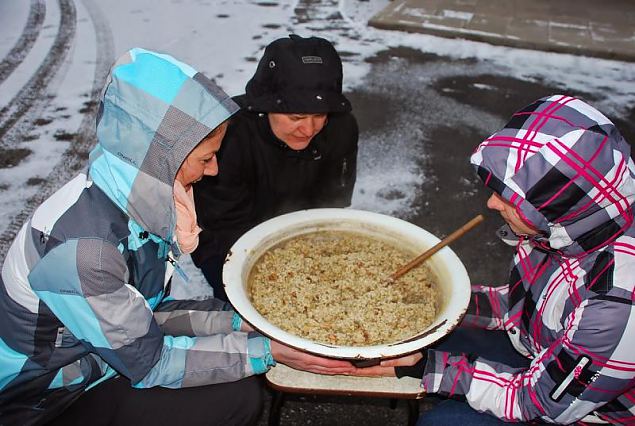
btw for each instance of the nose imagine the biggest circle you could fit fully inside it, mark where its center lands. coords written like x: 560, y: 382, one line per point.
x: 211, y: 168
x: 494, y: 202
x: 308, y: 126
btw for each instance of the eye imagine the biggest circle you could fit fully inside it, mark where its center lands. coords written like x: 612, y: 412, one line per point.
x: 207, y: 160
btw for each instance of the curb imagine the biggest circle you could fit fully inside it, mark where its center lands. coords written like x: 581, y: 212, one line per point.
x: 591, y: 38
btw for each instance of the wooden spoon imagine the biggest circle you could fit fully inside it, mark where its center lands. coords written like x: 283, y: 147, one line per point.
x: 444, y: 242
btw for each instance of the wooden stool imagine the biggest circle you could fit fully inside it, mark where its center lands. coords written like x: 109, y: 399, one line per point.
x: 283, y: 379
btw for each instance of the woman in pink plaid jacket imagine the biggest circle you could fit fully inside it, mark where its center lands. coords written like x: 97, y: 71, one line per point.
x: 557, y: 342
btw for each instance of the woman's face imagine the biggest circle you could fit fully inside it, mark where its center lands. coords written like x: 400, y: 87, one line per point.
x: 510, y: 215
x: 296, y: 130
x: 202, y: 160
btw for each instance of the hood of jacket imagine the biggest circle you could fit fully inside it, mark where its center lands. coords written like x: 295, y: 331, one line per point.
x: 154, y: 111
x: 568, y: 171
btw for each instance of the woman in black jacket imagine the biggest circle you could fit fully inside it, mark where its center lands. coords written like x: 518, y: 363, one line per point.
x: 292, y: 146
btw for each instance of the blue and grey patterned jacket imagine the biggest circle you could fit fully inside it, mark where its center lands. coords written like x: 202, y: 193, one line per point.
x: 568, y: 305
x: 84, y: 289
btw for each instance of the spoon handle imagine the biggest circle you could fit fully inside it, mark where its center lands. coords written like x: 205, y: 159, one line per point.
x: 444, y: 242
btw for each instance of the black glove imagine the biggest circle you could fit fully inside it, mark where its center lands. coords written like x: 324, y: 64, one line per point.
x: 416, y: 370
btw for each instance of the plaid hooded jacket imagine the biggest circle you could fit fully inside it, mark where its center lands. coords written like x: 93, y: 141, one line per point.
x: 85, y: 284
x: 568, y: 304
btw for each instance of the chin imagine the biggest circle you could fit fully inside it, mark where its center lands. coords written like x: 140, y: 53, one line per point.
x: 298, y: 146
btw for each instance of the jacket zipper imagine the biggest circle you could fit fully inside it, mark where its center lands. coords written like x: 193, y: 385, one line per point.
x: 178, y: 269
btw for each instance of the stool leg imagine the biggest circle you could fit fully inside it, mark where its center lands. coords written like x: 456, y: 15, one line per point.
x: 392, y: 403
x: 277, y: 400
x: 413, y: 411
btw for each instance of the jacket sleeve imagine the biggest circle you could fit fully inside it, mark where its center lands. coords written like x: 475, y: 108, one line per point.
x: 91, y: 297
x: 487, y: 308
x: 194, y: 317
x: 590, y: 364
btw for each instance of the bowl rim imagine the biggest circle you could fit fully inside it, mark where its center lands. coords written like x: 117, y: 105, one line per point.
x: 266, y: 234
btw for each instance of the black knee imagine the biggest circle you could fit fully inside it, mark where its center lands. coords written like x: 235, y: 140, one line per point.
x: 212, y: 269
x: 251, y: 400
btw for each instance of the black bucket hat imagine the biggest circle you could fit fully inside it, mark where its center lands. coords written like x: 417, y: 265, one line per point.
x: 297, y: 75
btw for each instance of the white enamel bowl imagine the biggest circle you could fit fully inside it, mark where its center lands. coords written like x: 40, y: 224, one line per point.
x: 452, y: 279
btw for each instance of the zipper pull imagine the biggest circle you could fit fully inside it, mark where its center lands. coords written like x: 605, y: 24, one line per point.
x: 178, y: 269
x: 343, y: 174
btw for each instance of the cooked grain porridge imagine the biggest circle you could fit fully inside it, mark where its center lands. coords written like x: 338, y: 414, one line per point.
x: 331, y: 287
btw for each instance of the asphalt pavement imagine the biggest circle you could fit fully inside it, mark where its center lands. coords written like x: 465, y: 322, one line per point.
x: 604, y: 29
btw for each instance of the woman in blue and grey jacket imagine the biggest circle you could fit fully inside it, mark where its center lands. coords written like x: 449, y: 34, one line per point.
x: 88, y: 331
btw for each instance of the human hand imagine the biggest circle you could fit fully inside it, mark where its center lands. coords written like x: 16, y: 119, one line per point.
x: 374, y: 371
x: 307, y: 362
x: 409, y: 365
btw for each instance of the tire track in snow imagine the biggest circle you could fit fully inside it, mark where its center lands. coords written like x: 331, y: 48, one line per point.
x: 25, y: 42
x: 33, y: 91
x: 75, y: 158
